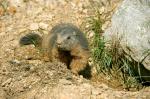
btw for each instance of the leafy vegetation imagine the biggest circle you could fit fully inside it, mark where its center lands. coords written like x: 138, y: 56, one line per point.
x: 111, y: 60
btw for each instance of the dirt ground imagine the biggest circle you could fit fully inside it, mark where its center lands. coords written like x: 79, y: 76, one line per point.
x: 23, y: 73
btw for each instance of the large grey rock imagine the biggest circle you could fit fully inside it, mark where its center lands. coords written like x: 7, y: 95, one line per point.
x: 131, y: 24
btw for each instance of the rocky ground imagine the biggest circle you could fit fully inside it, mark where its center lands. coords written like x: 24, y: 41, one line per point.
x: 23, y: 74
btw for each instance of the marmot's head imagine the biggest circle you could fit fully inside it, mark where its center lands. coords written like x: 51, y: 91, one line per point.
x: 66, y: 40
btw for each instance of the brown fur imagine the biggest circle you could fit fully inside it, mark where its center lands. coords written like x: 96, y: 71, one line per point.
x: 76, y: 58
x: 79, y: 60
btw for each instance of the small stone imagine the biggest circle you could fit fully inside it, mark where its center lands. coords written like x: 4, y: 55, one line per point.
x: 86, y: 85
x: 35, y: 62
x: 11, y: 10
x: 8, y: 81
x: 50, y: 73
x: 81, y: 76
x: 34, y: 26
x: 15, y: 61
x: 73, y: 5
x: 91, y: 34
x: 43, y: 26
x: 32, y: 68
x: 63, y: 2
x: 103, y: 86
x: 85, y: 11
x: 95, y: 92
x: 102, y: 10
x: 94, y: 70
x: 65, y: 82
x: 105, y: 25
x: 16, y: 3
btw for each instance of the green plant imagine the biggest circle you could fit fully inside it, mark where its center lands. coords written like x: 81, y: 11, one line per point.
x: 109, y: 60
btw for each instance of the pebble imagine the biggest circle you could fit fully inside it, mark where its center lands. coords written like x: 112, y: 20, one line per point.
x: 65, y: 82
x: 16, y: 3
x: 102, y: 10
x: 43, y: 25
x: 35, y: 62
x: 34, y: 26
x: 105, y: 25
x: 95, y: 91
x: 8, y: 81
x: 91, y: 34
x: 85, y: 11
x: 86, y: 85
x: 15, y: 61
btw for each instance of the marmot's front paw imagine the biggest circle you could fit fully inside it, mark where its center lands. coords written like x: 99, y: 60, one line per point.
x: 75, y: 72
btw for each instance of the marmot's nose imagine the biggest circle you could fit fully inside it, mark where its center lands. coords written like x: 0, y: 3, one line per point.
x: 58, y: 43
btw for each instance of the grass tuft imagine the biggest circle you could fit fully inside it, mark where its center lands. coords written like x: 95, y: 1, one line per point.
x: 110, y: 61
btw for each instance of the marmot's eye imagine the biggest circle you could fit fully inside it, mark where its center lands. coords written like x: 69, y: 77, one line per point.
x: 68, y: 37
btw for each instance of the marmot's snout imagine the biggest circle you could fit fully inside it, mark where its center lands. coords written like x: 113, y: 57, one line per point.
x: 59, y: 44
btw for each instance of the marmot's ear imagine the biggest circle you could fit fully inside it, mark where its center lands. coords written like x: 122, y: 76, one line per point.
x: 74, y: 33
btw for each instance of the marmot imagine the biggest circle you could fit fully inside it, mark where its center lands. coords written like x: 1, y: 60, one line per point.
x: 65, y: 43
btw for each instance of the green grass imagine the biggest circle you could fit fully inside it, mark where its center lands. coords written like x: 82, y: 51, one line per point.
x: 109, y: 60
